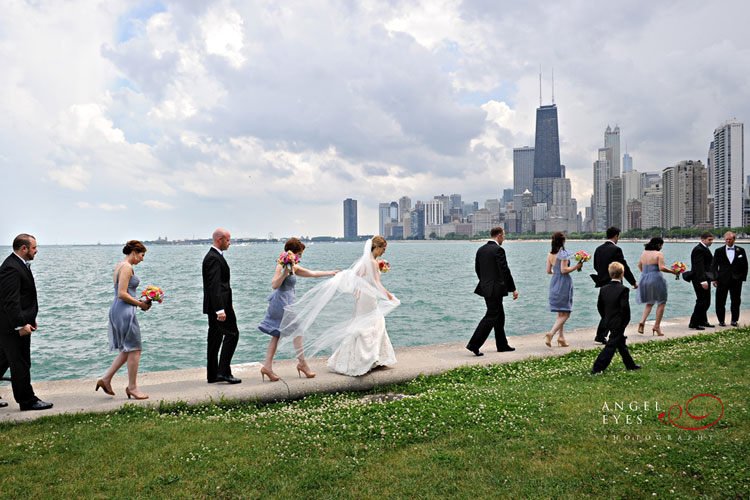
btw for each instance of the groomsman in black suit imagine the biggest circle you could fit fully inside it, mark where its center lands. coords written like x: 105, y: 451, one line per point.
x: 223, y: 333
x: 495, y: 281
x: 729, y: 267
x: 18, y: 310
x: 700, y: 265
x: 605, y: 254
x: 614, y: 307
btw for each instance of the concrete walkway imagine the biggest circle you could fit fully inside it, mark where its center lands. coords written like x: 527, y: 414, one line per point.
x: 72, y: 396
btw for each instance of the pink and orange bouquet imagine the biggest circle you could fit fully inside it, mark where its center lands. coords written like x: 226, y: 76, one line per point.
x: 384, y: 266
x: 680, y: 267
x: 288, y: 259
x: 153, y: 294
x: 582, y: 256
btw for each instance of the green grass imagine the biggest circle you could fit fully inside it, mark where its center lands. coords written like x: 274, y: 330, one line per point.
x: 532, y: 429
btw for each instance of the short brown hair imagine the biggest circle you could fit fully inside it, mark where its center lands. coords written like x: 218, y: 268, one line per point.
x: 378, y: 242
x: 295, y: 245
x: 133, y: 246
x: 616, y: 270
x: 706, y: 235
x: 495, y: 231
x: 21, y: 240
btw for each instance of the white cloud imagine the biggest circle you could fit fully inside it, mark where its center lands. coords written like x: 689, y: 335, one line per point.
x: 108, y: 207
x: 74, y: 177
x: 159, y: 205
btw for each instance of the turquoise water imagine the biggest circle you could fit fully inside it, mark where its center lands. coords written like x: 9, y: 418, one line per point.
x: 434, y: 281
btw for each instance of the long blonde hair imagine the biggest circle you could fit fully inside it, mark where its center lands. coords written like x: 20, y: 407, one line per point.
x: 378, y: 242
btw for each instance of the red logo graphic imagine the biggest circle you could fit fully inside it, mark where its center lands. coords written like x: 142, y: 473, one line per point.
x: 673, y: 422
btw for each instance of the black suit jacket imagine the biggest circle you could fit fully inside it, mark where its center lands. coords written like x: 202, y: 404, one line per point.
x: 614, y: 305
x: 18, y: 302
x: 604, y: 255
x: 492, y: 270
x: 217, y: 294
x: 700, y: 264
x: 723, y: 271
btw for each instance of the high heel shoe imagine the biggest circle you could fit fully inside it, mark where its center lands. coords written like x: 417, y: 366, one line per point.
x: 135, y: 396
x: 548, y: 339
x: 640, y: 327
x: 562, y: 343
x: 306, y: 371
x: 107, y: 390
x: 265, y: 373
x: 656, y: 331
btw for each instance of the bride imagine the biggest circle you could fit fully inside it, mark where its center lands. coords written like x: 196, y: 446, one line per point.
x: 356, y: 294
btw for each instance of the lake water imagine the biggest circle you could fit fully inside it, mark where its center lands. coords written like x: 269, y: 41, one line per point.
x: 434, y: 280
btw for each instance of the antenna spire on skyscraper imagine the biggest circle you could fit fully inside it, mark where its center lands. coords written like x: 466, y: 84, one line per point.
x: 553, y: 85
x: 540, y: 85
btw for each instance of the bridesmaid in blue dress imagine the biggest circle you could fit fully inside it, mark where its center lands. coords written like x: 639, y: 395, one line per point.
x: 560, y: 287
x: 283, y: 282
x: 124, y: 332
x: 652, y: 287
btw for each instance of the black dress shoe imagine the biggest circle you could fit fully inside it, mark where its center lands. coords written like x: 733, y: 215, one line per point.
x: 3, y: 404
x: 707, y: 325
x: 721, y: 323
x: 634, y: 367
x: 36, y: 405
x: 601, y: 340
x: 734, y: 323
x: 475, y: 351
x: 228, y: 378
x: 507, y: 348
x: 593, y: 372
x: 696, y: 327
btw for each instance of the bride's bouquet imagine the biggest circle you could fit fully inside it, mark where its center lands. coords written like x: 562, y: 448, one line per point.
x: 680, y: 267
x: 288, y: 259
x: 384, y: 266
x: 153, y: 294
x: 582, y: 256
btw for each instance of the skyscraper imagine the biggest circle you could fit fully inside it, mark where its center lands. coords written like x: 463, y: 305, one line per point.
x: 627, y: 163
x: 685, y: 202
x: 404, y: 206
x: 612, y: 140
x: 614, y: 202
x: 508, y: 193
x: 350, y: 219
x: 523, y: 171
x: 729, y: 173
x: 546, y: 153
x: 384, y: 217
x: 456, y: 202
x: 599, y: 199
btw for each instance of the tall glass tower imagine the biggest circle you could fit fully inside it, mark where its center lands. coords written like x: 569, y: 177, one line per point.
x: 350, y: 219
x: 546, y: 153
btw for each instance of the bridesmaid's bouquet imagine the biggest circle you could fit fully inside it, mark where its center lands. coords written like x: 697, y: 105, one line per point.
x: 288, y: 259
x: 582, y: 256
x: 680, y: 267
x: 153, y: 294
x: 384, y: 266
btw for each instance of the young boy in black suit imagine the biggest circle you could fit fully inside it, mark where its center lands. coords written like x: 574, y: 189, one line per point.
x: 614, y: 308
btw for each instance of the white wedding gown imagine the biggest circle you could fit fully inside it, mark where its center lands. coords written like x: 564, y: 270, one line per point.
x: 355, y: 295
x: 367, y: 345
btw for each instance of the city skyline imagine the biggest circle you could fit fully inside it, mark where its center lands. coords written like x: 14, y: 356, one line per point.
x: 151, y: 118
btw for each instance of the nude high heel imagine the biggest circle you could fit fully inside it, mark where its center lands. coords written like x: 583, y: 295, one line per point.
x: 656, y: 331
x: 640, y: 327
x: 562, y: 342
x: 308, y: 373
x: 107, y: 390
x: 548, y: 339
x: 127, y: 391
x: 265, y: 373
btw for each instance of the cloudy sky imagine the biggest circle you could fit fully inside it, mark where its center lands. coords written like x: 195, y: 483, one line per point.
x: 129, y: 120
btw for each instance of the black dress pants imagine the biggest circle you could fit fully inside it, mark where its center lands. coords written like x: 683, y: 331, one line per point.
x: 222, y: 336
x: 702, y: 303
x: 494, y: 318
x: 734, y: 289
x: 616, y: 342
x: 15, y: 353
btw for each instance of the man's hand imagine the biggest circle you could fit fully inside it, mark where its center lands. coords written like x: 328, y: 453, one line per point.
x: 515, y: 294
x: 26, y: 330
x: 221, y: 316
x: 705, y: 285
x: 635, y: 287
x: 715, y: 284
